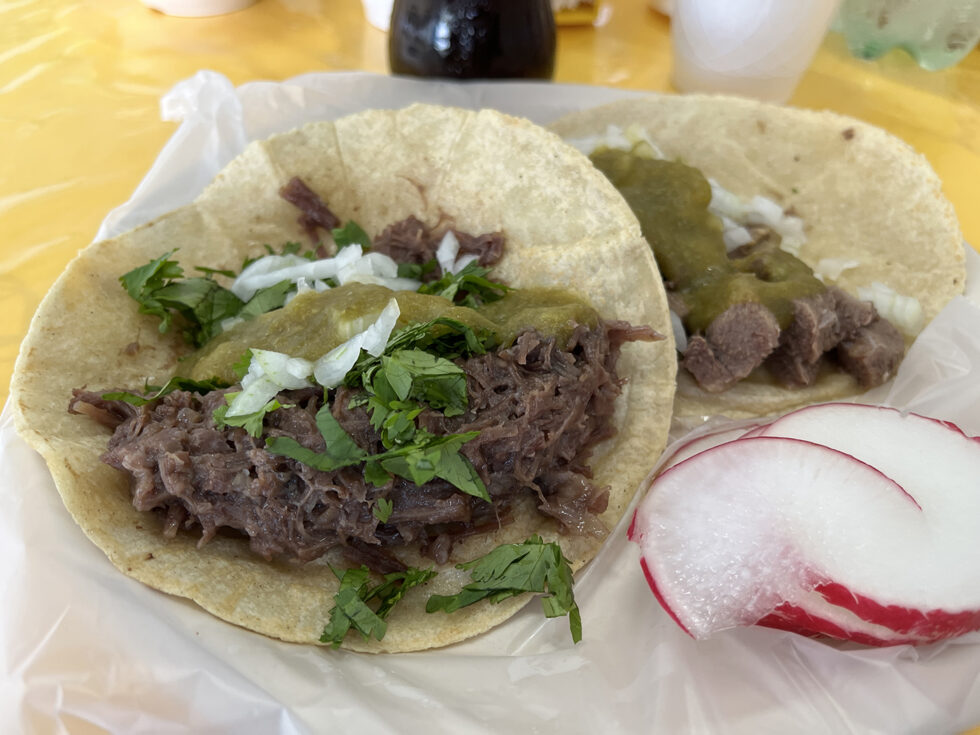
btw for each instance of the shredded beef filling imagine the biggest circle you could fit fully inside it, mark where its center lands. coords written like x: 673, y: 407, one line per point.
x: 406, y: 241
x: 540, y: 410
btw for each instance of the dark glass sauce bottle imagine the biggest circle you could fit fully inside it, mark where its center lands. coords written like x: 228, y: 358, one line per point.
x: 472, y: 39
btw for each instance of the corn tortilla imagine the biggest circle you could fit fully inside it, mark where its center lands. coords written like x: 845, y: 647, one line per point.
x: 482, y: 171
x: 862, y: 193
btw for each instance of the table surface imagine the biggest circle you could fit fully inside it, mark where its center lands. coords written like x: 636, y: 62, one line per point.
x: 80, y: 84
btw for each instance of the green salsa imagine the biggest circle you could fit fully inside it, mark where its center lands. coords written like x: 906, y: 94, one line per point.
x: 314, y: 323
x: 671, y: 200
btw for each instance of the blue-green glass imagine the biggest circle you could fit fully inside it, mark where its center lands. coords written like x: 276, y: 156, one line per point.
x: 937, y: 33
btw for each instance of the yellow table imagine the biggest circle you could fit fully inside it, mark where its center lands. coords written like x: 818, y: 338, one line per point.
x: 80, y: 84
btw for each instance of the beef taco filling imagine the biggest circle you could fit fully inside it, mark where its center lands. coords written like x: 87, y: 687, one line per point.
x: 750, y: 312
x: 535, y: 370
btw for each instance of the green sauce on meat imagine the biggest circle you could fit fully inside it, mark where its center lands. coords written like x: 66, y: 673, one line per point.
x: 671, y: 202
x: 314, y: 323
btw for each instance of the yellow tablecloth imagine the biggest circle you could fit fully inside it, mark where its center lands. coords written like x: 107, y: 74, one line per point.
x: 80, y: 84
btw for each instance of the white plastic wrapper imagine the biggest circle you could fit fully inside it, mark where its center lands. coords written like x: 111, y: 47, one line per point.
x: 85, y: 648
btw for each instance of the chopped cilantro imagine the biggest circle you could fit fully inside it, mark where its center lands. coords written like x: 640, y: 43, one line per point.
x: 266, y: 299
x: 417, y: 270
x: 469, y: 286
x: 200, y: 303
x: 156, y: 391
x: 382, y: 509
x: 424, y: 377
x: 251, y: 422
x: 351, y: 608
x: 341, y: 450
x: 442, y: 337
x: 241, y: 365
x: 351, y: 234
x: 512, y: 569
x: 423, y: 458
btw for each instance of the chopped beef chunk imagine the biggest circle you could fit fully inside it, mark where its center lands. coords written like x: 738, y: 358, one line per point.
x: 826, y: 325
x: 735, y: 343
x: 819, y: 324
x: 872, y: 354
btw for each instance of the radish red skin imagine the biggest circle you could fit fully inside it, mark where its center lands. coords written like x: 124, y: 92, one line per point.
x: 929, y: 625
x: 797, y: 620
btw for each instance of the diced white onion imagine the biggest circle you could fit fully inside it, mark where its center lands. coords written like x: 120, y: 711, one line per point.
x: 726, y: 205
x: 230, y: 322
x: 763, y: 211
x: 330, y: 369
x: 447, y: 251
x: 634, y: 138
x: 905, y: 312
x: 735, y: 214
x: 680, y: 334
x: 351, y: 264
x: 734, y: 234
x: 829, y: 269
x: 376, y: 336
x: 464, y: 260
x: 268, y: 373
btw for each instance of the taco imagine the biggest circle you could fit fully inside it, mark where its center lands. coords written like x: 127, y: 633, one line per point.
x: 440, y: 170
x: 821, y: 212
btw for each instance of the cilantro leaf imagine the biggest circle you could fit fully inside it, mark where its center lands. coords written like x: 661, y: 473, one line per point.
x: 425, y: 457
x: 443, y: 337
x: 241, y: 365
x: 200, y: 303
x: 426, y: 377
x: 251, y: 422
x: 140, y: 283
x: 376, y: 475
x: 351, y: 609
x: 351, y: 234
x: 341, y: 450
x: 383, y: 508
x: 266, y: 299
x: 513, y: 569
x: 175, y: 383
x: 417, y: 270
x: 215, y: 271
x: 153, y: 275
x: 430, y: 456
x: 469, y: 286
x: 396, y: 584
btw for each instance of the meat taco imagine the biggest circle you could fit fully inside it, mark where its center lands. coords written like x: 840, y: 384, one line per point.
x: 449, y: 323
x: 802, y: 251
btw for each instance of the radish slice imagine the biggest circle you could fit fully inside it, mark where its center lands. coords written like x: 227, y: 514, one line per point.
x: 703, y: 441
x: 906, y: 447
x: 784, y: 531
